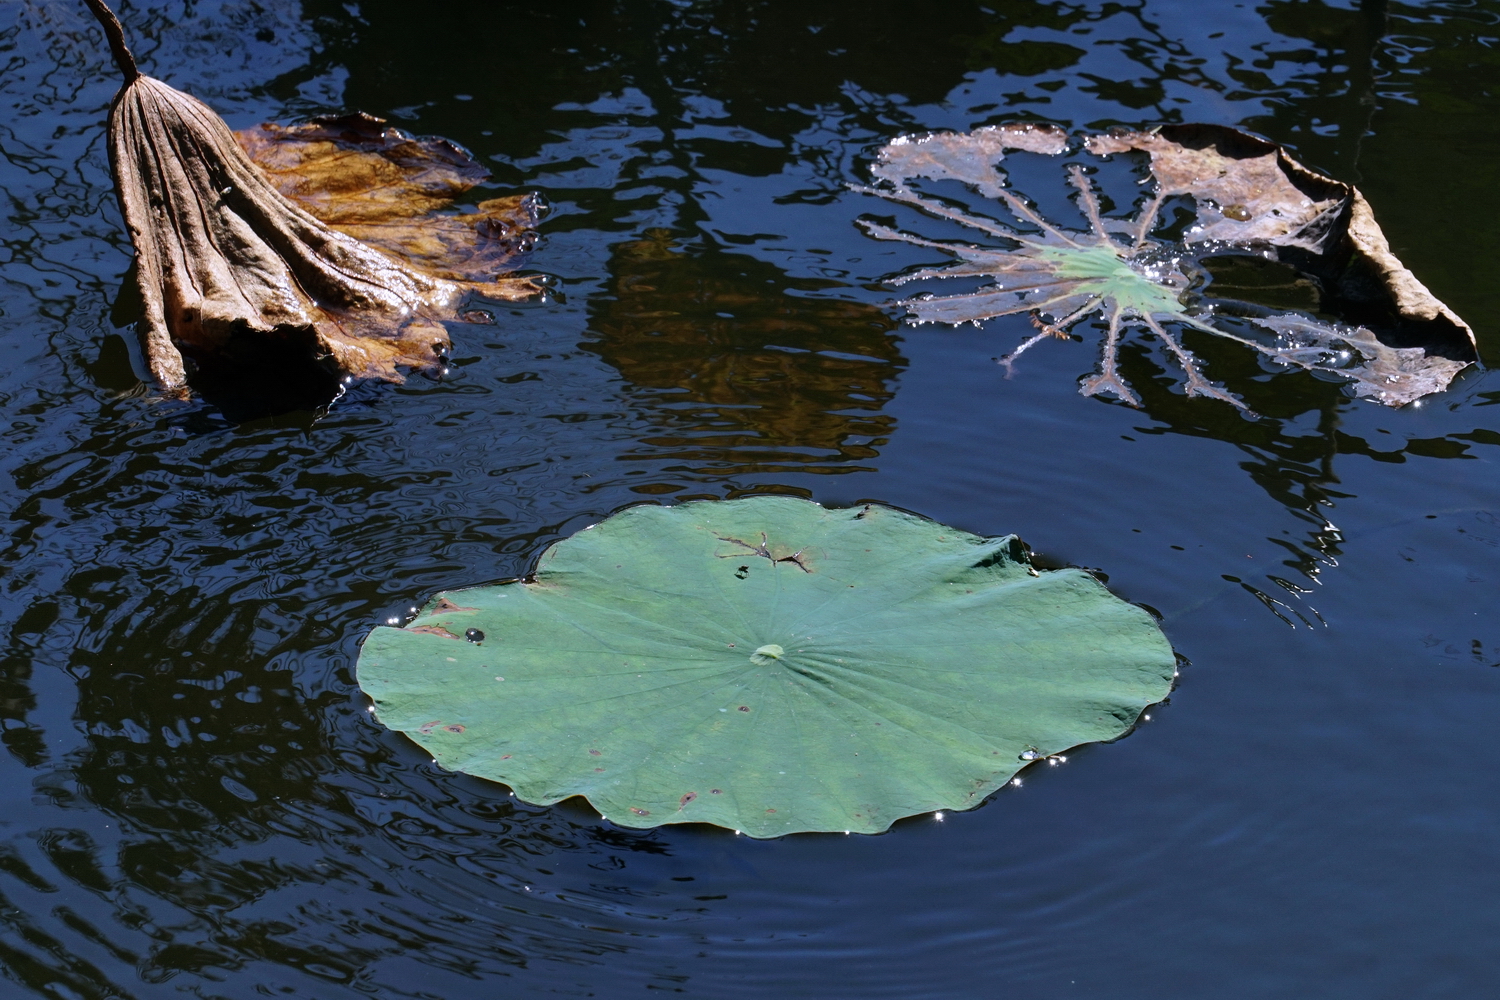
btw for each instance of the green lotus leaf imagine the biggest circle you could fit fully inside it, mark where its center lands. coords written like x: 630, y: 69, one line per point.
x: 770, y: 666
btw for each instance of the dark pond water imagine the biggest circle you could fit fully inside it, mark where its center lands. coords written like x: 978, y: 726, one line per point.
x: 195, y: 800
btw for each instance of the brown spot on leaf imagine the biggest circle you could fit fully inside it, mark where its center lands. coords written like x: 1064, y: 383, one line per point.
x: 428, y: 727
x: 595, y: 753
x: 455, y: 728
x: 690, y: 796
x: 505, y: 757
x: 770, y: 810
x: 444, y: 606
x: 433, y: 630
x: 715, y: 791
x: 640, y: 812
x: 744, y: 708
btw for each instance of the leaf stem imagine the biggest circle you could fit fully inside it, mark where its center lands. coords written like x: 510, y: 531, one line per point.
x: 1148, y: 219
x: 1197, y: 385
x: 1090, y: 203
x: 116, y: 37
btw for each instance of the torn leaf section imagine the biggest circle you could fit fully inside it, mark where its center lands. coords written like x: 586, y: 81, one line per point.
x: 1391, y: 375
x: 356, y: 168
x: 1240, y: 199
x: 1370, y: 323
x: 389, y: 189
x: 970, y: 158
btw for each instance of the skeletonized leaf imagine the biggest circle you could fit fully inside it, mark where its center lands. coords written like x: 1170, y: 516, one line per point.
x: 1371, y: 324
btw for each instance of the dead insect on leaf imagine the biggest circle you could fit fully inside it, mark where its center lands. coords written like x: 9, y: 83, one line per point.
x: 776, y: 554
x: 323, y: 241
x: 1248, y: 201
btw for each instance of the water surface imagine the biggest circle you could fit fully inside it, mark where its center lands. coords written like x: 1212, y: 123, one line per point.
x: 195, y: 800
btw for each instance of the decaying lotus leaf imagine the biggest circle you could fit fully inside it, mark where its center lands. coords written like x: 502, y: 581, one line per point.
x: 327, y: 238
x: 1370, y: 323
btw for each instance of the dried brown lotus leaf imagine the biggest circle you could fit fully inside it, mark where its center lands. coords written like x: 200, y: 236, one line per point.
x: 1238, y: 199
x: 228, y: 250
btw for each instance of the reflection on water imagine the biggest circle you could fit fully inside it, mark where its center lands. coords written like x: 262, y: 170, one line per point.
x: 196, y: 803
x: 743, y: 370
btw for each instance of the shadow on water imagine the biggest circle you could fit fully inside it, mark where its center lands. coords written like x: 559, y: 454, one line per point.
x: 203, y: 807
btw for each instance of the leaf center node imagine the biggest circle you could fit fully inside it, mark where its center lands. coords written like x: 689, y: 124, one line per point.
x: 765, y: 654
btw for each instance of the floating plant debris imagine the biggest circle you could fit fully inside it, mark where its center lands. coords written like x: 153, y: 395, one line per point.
x: 1365, y: 320
x: 769, y: 665
x: 327, y: 239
